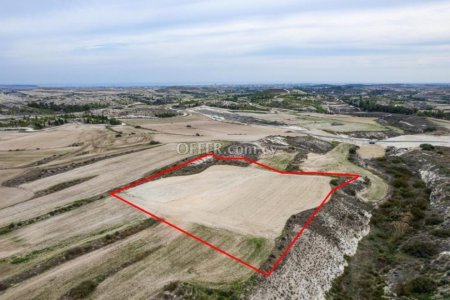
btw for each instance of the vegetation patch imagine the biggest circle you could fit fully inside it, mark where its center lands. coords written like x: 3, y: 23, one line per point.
x: 191, y: 291
x: 61, y: 186
x: 38, y: 173
x: 426, y: 147
x: 75, y: 252
x: 420, y: 287
x: 87, y: 287
x: 396, y: 240
x: 420, y: 249
x: 56, y: 211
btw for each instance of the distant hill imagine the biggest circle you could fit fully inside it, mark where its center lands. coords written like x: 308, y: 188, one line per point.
x: 18, y: 86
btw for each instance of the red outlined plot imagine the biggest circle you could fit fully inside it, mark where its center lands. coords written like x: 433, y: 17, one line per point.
x: 351, y: 178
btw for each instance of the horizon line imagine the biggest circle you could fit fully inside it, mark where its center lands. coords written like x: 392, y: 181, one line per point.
x: 174, y: 84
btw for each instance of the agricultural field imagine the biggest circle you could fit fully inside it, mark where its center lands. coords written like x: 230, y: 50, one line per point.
x: 223, y: 196
x: 63, y: 236
x: 218, y: 150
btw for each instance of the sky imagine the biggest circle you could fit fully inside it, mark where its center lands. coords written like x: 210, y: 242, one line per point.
x: 98, y: 42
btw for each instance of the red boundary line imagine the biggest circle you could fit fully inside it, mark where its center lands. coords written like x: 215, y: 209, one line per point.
x: 352, y: 177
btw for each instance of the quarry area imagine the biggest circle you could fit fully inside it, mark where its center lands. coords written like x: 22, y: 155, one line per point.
x: 63, y: 236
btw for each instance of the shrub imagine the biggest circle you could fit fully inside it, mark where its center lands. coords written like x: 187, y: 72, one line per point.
x: 434, y: 220
x: 114, y: 121
x: 407, y: 193
x: 396, y: 160
x: 400, y: 182
x: 83, y: 290
x: 73, y: 252
x: 5, y: 230
x: 426, y: 147
x: 399, y: 171
x: 420, y: 249
x: 418, y: 213
x: 19, y: 260
x: 419, y: 184
x: 419, y: 285
x: 349, y: 190
x: 166, y: 114
x: 3, y: 286
x: 441, y: 233
x: 421, y: 203
x: 334, y: 182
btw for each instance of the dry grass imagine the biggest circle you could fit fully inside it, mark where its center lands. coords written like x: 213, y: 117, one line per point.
x: 52, y: 138
x: 110, y: 173
x: 370, y: 151
x: 43, y: 240
x: 251, y: 201
x: 338, y: 123
x: 280, y: 160
x: 185, y: 129
x: 336, y: 161
x: 239, y: 209
x: 175, y: 257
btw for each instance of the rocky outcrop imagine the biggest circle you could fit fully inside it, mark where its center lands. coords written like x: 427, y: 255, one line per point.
x: 319, y: 256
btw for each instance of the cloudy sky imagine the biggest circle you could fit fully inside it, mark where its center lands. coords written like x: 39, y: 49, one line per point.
x: 91, y: 42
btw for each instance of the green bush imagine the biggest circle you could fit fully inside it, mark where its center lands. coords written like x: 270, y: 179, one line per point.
x: 83, y: 290
x: 418, y: 213
x: 419, y: 285
x: 441, y: 233
x: 434, y: 220
x: 420, y: 249
x: 407, y: 193
x: 166, y: 114
x: 426, y: 147
x: 400, y: 182
x: 334, y: 182
x: 114, y: 121
x: 399, y: 171
x: 5, y: 229
x: 419, y: 184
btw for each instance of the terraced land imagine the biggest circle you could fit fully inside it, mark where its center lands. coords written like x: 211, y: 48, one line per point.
x: 63, y: 237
